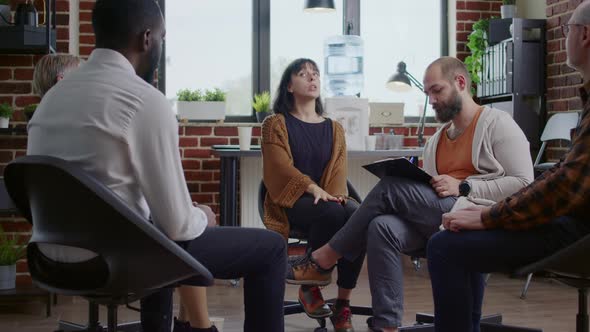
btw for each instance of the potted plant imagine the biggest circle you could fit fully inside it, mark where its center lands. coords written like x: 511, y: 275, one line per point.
x: 5, y: 113
x: 195, y: 105
x: 477, y: 43
x: 261, y: 105
x: 508, y: 9
x: 5, y: 12
x: 29, y: 110
x: 10, y: 253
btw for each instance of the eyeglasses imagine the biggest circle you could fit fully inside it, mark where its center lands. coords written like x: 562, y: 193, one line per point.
x: 565, y: 28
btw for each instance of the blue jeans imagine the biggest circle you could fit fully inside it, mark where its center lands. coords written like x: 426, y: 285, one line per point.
x: 455, y: 261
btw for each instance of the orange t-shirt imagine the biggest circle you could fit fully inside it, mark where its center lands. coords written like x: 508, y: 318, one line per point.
x: 454, y: 157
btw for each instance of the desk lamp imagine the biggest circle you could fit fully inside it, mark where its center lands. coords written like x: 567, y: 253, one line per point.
x: 402, y: 81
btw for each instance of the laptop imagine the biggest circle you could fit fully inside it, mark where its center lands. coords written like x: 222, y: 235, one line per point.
x: 386, y: 113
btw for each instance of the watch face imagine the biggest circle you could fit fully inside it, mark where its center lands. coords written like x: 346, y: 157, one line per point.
x: 464, y: 188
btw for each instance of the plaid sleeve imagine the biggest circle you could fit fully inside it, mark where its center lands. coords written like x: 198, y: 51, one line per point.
x: 559, y: 191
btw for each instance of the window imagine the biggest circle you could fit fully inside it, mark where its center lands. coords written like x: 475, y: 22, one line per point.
x: 395, y: 31
x: 244, y: 46
x: 298, y: 34
x: 209, y: 45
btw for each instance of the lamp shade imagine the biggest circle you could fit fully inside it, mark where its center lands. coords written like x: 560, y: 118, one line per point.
x: 319, y: 6
x: 399, y: 82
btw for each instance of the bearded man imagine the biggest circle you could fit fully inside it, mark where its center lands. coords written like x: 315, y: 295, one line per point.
x: 478, y: 157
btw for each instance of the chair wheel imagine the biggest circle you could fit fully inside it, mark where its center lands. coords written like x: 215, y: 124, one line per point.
x: 370, y: 322
x: 320, y: 329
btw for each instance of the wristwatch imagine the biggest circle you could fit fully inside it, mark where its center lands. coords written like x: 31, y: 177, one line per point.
x: 464, y: 188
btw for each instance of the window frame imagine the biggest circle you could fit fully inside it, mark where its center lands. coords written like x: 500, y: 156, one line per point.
x: 261, y: 47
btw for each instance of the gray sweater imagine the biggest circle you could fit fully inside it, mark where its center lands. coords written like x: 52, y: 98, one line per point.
x: 500, y: 154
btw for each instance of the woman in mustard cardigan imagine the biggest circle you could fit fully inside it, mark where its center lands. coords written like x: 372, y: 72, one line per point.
x: 304, y: 157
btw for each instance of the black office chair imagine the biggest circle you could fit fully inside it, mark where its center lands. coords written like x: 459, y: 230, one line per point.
x: 569, y: 266
x: 66, y: 206
x: 294, y: 307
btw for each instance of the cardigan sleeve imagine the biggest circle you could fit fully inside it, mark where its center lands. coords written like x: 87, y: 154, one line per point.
x: 284, y: 182
x: 510, y: 148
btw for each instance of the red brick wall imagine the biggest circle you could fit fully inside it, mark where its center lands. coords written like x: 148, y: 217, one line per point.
x: 86, y: 32
x: 469, y: 12
x: 16, y: 74
x: 563, y: 82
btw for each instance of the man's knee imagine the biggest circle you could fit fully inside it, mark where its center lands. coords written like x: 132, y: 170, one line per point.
x: 276, y: 243
x: 438, y: 243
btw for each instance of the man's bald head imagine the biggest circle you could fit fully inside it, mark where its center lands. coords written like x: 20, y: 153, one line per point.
x: 581, y: 14
x: 450, y: 67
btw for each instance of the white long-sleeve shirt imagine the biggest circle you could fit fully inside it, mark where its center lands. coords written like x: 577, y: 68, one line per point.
x: 121, y: 130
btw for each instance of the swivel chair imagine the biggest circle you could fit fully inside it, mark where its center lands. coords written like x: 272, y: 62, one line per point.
x: 68, y: 207
x: 569, y: 266
x: 294, y: 307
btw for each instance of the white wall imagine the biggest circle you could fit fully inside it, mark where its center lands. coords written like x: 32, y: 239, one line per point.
x: 74, y: 47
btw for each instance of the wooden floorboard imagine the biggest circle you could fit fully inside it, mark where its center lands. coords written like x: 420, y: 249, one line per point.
x: 549, y: 305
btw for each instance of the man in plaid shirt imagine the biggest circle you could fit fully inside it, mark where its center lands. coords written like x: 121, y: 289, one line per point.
x: 548, y: 215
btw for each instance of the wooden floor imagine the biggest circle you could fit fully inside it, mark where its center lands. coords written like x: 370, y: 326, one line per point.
x: 549, y: 305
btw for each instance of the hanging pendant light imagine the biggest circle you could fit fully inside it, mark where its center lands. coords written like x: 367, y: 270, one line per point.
x: 319, y: 6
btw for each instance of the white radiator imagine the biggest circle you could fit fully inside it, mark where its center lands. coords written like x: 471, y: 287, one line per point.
x: 251, y: 175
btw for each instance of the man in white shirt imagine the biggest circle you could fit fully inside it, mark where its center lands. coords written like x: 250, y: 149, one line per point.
x: 108, y: 119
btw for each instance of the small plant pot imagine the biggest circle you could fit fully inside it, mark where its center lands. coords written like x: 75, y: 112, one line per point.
x: 4, y: 122
x: 508, y: 11
x: 201, y: 110
x: 260, y: 116
x: 7, y: 276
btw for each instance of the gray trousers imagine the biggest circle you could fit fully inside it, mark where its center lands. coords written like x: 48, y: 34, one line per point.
x: 398, y: 216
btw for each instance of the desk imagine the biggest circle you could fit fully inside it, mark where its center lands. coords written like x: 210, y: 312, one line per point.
x: 230, y: 158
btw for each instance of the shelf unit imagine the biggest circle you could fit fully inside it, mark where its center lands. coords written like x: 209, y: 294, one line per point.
x: 26, y: 39
x: 514, y: 71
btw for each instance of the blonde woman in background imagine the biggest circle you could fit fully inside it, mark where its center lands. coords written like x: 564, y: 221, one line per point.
x: 51, y: 69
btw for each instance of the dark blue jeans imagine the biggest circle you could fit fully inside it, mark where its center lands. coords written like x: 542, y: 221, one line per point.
x: 257, y: 255
x: 455, y: 261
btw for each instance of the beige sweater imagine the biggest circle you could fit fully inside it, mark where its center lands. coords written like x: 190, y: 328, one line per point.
x: 500, y: 154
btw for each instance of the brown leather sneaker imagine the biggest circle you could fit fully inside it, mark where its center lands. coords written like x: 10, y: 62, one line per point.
x: 305, y: 271
x: 313, y: 303
x: 342, y: 319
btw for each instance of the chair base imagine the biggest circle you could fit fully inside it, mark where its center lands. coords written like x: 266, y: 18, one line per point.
x: 294, y: 307
x: 69, y: 326
x: 94, y: 324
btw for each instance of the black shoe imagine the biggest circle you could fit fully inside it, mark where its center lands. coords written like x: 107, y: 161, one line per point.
x: 181, y: 326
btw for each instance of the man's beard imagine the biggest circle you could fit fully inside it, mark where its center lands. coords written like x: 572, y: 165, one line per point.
x: 154, y: 59
x: 446, y: 111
